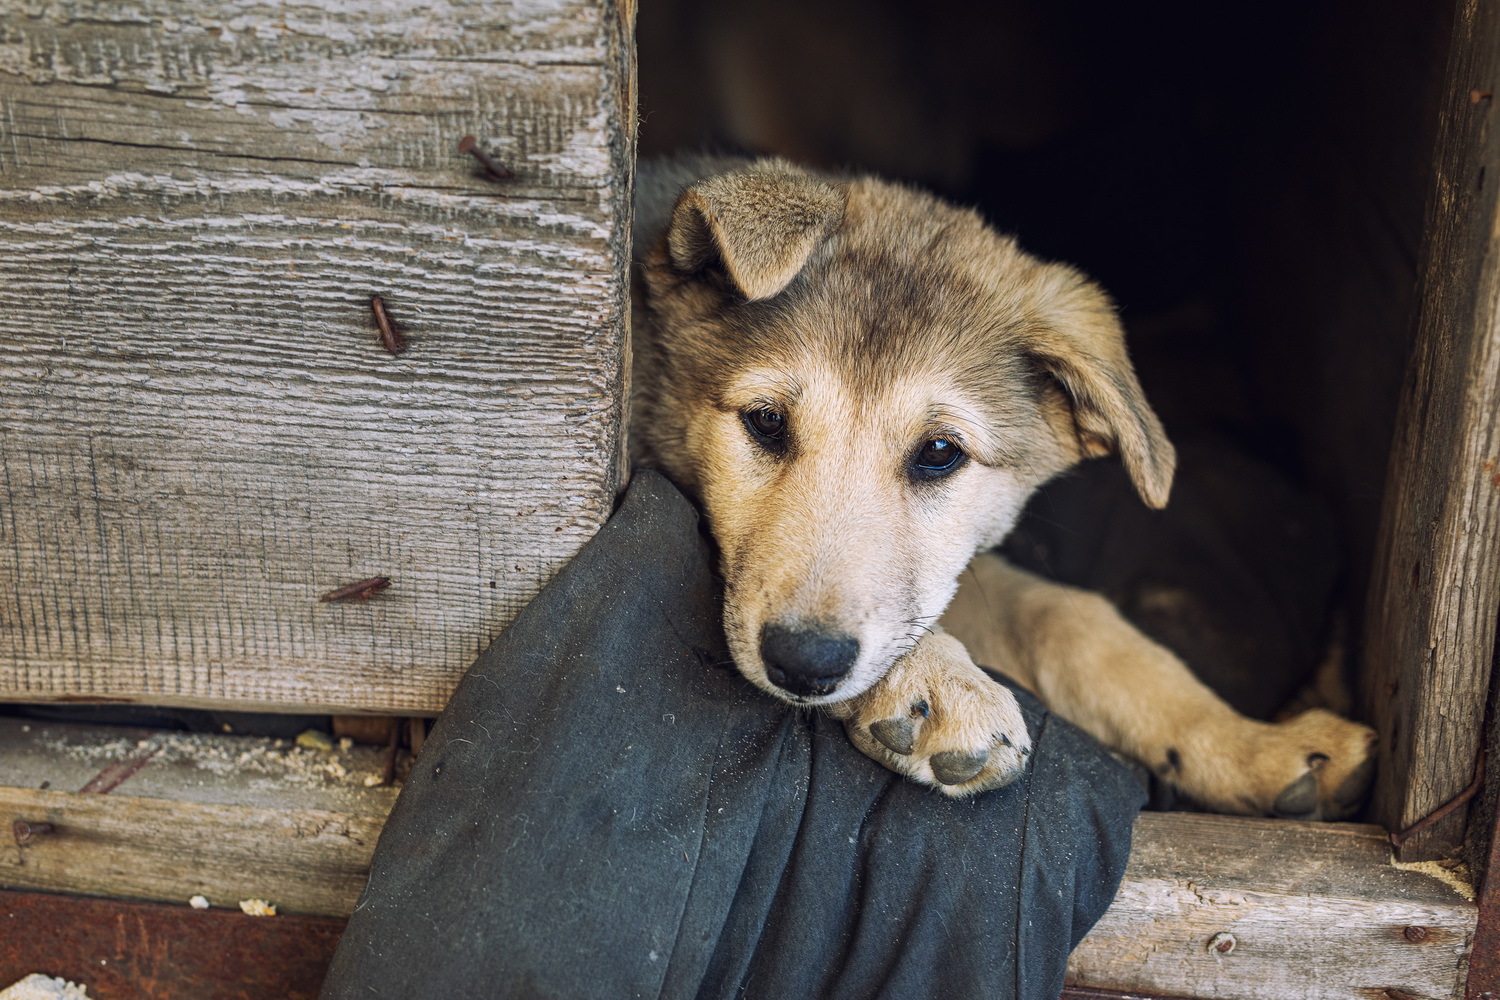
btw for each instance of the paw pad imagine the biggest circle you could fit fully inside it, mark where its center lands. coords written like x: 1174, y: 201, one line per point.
x: 955, y: 767
x: 896, y: 735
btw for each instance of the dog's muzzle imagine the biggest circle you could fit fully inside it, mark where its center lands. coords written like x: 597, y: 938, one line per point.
x: 807, y: 658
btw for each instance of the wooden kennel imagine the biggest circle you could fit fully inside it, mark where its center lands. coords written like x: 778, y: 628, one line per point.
x: 201, y: 433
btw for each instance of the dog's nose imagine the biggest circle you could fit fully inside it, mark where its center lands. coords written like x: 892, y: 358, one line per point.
x: 806, y: 658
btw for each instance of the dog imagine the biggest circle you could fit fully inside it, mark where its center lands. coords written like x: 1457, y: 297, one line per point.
x: 861, y: 385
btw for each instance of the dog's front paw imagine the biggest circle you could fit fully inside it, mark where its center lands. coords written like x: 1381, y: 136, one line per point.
x: 940, y: 720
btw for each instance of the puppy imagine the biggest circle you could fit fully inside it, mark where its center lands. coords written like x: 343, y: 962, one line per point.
x: 861, y: 386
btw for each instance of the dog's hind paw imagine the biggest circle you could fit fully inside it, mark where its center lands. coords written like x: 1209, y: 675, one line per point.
x: 940, y: 720
x: 1334, y: 762
x: 1316, y: 766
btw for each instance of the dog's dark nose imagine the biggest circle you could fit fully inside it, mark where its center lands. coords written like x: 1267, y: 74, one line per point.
x: 806, y: 658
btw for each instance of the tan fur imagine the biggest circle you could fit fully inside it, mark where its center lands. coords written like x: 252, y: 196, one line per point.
x: 872, y: 319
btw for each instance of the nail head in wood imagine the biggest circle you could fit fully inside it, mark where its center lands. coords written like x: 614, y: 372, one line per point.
x: 1222, y: 943
x: 24, y: 831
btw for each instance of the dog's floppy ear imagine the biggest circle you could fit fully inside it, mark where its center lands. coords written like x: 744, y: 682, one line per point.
x: 762, y: 222
x: 1079, y: 340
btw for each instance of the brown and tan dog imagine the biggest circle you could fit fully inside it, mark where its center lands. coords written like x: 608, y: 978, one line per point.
x: 861, y: 386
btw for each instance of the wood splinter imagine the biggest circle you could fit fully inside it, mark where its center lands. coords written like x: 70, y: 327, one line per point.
x: 468, y: 144
x: 390, y: 336
x: 361, y: 591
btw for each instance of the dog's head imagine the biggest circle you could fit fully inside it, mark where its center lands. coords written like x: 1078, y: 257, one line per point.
x: 862, y: 385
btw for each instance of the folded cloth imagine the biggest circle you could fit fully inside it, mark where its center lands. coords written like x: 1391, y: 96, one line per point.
x: 606, y: 808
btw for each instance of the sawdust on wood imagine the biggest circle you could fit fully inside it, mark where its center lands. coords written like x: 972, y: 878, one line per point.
x: 39, y: 987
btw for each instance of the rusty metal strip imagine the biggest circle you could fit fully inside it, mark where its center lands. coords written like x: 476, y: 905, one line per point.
x: 152, y: 951
x: 1442, y: 811
x: 119, y: 772
x: 1484, y: 959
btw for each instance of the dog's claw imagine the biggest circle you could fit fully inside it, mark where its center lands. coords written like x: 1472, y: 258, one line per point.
x: 1298, y: 799
x: 896, y: 735
x: 954, y: 768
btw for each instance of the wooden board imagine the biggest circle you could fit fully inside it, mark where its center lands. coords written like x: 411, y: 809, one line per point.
x: 1309, y: 911
x: 1430, y: 624
x: 1317, y: 911
x: 148, y: 951
x: 200, y: 433
x: 229, y: 818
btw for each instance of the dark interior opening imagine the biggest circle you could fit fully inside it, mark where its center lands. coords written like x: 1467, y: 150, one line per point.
x: 1248, y: 181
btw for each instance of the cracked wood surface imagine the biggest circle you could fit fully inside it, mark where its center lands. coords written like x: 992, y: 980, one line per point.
x: 199, y: 432
x: 1430, y: 623
x: 1315, y: 911
x: 226, y: 817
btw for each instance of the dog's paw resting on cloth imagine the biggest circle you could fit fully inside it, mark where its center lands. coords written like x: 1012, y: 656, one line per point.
x: 861, y: 386
x: 940, y: 720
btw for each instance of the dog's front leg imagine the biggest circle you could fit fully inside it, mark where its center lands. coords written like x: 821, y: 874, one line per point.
x: 1097, y: 670
x: 940, y: 720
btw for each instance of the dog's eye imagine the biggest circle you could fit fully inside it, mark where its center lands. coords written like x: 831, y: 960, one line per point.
x: 936, y: 458
x: 767, y: 427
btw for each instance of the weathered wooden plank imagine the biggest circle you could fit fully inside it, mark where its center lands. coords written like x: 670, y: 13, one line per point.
x: 199, y: 433
x: 1316, y: 911
x: 229, y: 818
x: 1305, y: 910
x: 1430, y: 624
x: 302, y: 860
x: 147, y: 951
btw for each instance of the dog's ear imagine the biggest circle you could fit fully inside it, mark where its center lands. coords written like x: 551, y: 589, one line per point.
x: 762, y: 222
x: 1079, y: 341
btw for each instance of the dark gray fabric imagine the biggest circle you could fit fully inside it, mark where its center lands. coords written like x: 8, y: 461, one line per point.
x: 607, y: 809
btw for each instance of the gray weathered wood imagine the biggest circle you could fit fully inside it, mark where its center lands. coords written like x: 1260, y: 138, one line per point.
x: 229, y: 818
x: 199, y: 433
x: 300, y: 860
x: 1316, y: 911
x: 1430, y: 624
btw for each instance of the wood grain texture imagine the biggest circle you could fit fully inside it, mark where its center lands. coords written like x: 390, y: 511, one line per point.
x: 147, y: 951
x: 1316, y: 912
x: 302, y: 860
x: 227, y: 817
x: 1430, y: 624
x: 199, y: 432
